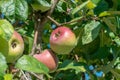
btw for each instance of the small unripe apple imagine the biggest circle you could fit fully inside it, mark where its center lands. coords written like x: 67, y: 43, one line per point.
x: 48, y: 58
x: 14, y: 48
x: 62, y: 40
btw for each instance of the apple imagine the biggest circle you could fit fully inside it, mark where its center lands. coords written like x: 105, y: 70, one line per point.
x: 48, y: 58
x: 12, y: 49
x: 62, y: 40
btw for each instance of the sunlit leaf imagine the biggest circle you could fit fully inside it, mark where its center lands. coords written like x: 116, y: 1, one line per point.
x: 68, y: 64
x: 7, y: 7
x: 13, y: 9
x: 6, y: 29
x: 21, y: 9
x: 78, y: 8
x: 8, y: 77
x: 61, y: 6
x: 105, y: 13
x: 91, y: 5
x: 30, y: 64
x: 3, y: 65
x: 91, y: 31
x: 42, y: 5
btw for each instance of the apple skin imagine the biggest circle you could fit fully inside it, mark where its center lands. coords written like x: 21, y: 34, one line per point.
x: 62, y: 40
x: 16, y: 48
x: 48, y: 58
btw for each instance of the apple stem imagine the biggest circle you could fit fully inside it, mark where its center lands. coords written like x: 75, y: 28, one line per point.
x: 57, y: 34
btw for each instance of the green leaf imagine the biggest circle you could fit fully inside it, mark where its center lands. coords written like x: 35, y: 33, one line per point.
x: 96, y: 1
x: 103, y: 14
x: 8, y: 77
x: 102, y: 5
x: 42, y: 5
x: 28, y: 63
x: 21, y: 9
x: 116, y: 73
x: 91, y: 31
x: 7, y: 7
x: 108, y: 67
x: 28, y: 44
x: 101, y: 53
x: 117, y: 63
x: 91, y: 5
x: 3, y: 65
x: 14, y: 9
x: 78, y: 8
x: 69, y: 64
x: 110, y: 24
x: 61, y: 6
x: 6, y: 29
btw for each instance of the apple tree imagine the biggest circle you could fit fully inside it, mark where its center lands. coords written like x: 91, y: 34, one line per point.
x: 59, y: 39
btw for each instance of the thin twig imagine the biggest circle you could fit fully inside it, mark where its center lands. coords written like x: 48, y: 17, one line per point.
x: 24, y: 75
x: 38, y: 77
x: 72, y: 21
x: 76, y: 57
x: 55, y: 22
x: 35, y: 40
x: 60, y: 24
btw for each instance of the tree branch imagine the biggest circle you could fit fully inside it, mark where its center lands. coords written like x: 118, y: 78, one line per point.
x: 55, y: 22
x: 60, y: 24
x: 44, y: 19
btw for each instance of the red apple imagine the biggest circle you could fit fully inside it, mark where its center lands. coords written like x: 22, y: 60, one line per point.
x: 48, y: 58
x: 16, y: 48
x: 62, y: 40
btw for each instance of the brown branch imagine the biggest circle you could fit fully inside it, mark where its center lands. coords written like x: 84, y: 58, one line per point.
x: 52, y: 7
x: 44, y: 19
x: 39, y: 28
x: 55, y: 22
x: 60, y: 24
x: 34, y: 43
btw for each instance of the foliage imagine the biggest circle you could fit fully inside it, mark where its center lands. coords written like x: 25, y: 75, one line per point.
x: 96, y: 24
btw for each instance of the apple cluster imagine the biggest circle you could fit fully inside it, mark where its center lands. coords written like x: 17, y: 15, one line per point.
x: 62, y: 41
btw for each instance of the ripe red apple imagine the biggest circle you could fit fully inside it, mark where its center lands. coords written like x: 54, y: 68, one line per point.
x: 14, y: 48
x: 62, y: 40
x: 48, y: 58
